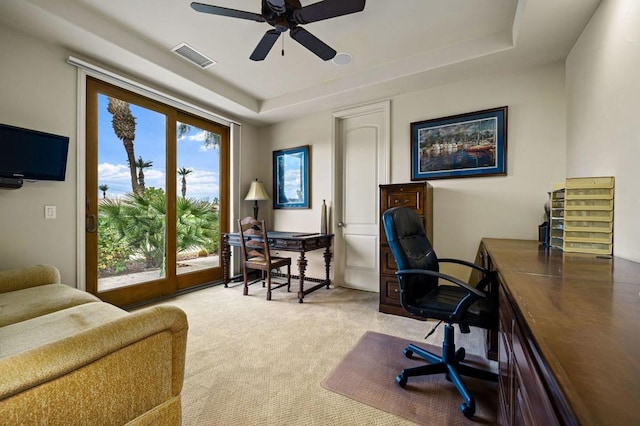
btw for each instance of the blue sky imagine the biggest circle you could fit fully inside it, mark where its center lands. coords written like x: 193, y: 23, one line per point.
x: 149, y: 143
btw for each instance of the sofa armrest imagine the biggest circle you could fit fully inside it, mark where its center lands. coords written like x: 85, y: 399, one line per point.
x: 20, y: 278
x: 122, y: 368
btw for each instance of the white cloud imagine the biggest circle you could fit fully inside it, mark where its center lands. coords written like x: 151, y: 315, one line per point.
x: 200, y: 136
x: 154, y: 178
x: 118, y: 178
x: 201, y: 184
x: 113, y: 172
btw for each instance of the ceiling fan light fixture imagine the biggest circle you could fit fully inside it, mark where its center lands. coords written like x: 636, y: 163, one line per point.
x: 342, y: 58
x: 192, y: 55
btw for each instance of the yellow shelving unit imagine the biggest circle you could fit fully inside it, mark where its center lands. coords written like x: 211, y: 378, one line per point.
x: 588, y: 215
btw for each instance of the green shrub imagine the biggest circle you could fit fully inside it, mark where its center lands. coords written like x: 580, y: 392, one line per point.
x: 112, y: 254
x: 137, y: 222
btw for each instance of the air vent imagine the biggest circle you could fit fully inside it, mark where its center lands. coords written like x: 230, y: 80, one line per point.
x: 192, y: 55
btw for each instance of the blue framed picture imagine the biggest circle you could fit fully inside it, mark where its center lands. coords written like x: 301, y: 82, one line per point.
x: 464, y: 145
x: 291, y: 178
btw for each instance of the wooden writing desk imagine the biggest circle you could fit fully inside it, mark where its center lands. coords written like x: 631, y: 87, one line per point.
x: 287, y: 241
x: 569, y: 343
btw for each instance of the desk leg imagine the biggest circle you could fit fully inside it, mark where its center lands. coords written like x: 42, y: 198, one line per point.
x: 302, y: 266
x: 327, y: 263
x: 226, y: 263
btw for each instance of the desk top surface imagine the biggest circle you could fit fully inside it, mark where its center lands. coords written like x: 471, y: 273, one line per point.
x: 584, y: 314
x: 289, y: 235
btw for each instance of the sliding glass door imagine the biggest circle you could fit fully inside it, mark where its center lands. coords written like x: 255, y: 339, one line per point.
x: 202, y: 158
x: 156, y: 196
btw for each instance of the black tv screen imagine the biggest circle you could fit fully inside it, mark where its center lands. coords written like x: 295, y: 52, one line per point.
x: 32, y: 155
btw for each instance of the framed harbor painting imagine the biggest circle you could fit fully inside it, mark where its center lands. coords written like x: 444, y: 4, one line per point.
x: 465, y: 145
x: 291, y: 178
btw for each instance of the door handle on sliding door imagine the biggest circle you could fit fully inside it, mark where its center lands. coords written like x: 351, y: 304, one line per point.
x: 91, y: 223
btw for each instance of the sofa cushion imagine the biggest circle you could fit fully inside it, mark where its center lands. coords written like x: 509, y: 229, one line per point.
x: 19, y: 278
x: 21, y: 305
x: 35, y: 332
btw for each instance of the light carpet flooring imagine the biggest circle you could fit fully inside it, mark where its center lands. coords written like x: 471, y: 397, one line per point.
x: 257, y: 362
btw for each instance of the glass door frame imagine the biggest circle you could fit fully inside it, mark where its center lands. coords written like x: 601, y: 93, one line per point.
x: 196, y: 278
x: 171, y: 283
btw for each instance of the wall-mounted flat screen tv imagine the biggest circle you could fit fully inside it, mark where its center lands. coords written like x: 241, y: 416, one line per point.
x: 32, y: 155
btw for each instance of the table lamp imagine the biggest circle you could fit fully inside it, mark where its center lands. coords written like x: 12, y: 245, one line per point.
x: 256, y: 193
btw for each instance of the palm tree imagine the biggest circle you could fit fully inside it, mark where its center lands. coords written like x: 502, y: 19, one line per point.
x: 104, y: 188
x: 184, y: 172
x: 124, y: 126
x: 141, y: 165
x: 197, y: 225
x: 138, y: 222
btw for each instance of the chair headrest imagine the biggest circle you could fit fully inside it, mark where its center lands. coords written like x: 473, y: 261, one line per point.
x: 407, y: 239
x: 401, y: 222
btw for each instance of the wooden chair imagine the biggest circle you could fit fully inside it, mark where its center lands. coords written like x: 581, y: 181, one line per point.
x: 255, y: 252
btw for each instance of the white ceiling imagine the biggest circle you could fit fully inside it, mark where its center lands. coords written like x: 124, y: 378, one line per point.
x: 398, y: 46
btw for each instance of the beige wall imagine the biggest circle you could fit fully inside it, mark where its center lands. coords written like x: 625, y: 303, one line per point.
x: 603, y: 104
x: 313, y: 130
x: 512, y: 206
x: 467, y: 209
x: 38, y: 92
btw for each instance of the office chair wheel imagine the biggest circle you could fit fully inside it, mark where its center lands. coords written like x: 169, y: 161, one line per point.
x: 407, y: 352
x: 401, y: 380
x: 467, y: 410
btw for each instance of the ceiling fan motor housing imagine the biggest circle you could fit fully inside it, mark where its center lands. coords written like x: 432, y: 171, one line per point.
x: 280, y: 23
x: 271, y: 8
x: 279, y: 14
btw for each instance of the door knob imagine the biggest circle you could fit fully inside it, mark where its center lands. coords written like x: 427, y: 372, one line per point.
x: 341, y: 225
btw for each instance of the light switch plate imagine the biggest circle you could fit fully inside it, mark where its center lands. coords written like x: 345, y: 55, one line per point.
x: 49, y: 212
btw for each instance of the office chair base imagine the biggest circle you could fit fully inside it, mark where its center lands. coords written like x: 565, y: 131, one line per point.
x: 450, y: 364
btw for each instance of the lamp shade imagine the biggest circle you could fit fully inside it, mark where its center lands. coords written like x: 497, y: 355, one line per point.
x: 256, y: 192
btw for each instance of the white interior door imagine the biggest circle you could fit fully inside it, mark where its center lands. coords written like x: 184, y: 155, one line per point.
x: 361, y: 163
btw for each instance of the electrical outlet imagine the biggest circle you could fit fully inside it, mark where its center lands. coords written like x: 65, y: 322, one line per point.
x: 49, y: 212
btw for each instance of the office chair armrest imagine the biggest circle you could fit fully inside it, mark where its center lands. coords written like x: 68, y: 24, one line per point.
x: 470, y: 288
x: 487, y: 274
x: 465, y: 263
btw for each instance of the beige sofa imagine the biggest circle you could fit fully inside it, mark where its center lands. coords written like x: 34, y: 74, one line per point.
x: 66, y: 358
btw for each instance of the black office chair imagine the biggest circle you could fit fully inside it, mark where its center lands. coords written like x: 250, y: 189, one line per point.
x: 423, y: 294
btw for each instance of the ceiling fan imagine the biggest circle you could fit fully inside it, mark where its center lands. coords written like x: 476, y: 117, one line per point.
x: 285, y: 15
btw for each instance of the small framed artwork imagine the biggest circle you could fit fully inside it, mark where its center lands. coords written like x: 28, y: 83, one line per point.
x: 465, y: 145
x: 291, y: 178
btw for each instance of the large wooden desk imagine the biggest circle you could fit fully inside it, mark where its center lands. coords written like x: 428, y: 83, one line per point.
x: 288, y: 241
x: 569, y: 344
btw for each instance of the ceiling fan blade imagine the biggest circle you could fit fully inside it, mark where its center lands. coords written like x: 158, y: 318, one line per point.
x: 312, y: 43
x: 327, y: 9
x: 265, y: 45
x: 223, y: 11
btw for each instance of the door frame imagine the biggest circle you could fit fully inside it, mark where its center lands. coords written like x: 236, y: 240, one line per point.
x: 86, y: 69
x: 336, y: 158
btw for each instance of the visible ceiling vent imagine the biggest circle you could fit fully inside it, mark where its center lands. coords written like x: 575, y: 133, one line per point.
x: 192, y: 55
